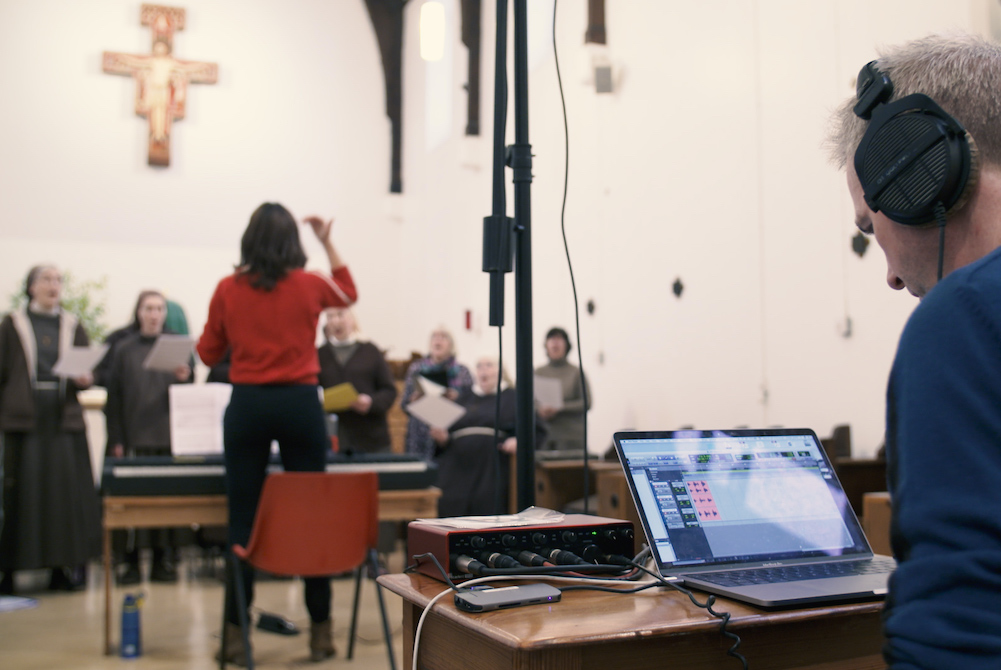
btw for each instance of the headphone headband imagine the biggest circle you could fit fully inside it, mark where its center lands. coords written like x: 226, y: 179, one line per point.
x: 914, y: 160
x: 872, y: 88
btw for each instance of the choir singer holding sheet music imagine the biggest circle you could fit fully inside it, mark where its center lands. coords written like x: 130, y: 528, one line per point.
x: 51, y: 513
x: 138, y: 415
x: 472, y: 464
x: 564, y: 425
x: 441, y: 367
x: 266, y: 314
x: 362, y: 427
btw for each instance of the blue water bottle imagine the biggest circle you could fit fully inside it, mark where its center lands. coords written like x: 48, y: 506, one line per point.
x: 131, y: 633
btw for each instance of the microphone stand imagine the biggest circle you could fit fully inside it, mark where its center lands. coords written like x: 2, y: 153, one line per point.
x: 498, y: 230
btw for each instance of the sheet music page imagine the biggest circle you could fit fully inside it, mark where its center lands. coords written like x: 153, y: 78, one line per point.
x: 78, y: 361
x: 169, y: 352
x: 436, y: 411
x: 530, y: 516
x: 548, y: 392
x: 338, y: 398
x: 429, y: 387
x: 196, y: 412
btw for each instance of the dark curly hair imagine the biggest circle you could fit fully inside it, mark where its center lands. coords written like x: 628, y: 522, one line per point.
x: 556, y: 331
x: 270, y: 246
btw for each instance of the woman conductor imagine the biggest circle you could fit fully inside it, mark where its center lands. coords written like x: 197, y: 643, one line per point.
x: 265, y: 314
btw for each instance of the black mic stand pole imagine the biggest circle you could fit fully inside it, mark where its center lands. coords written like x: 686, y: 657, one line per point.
x: 497, y: 230
x: 521, y: 164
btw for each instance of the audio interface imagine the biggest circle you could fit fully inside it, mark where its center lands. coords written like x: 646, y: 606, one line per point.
x: 576, y: 535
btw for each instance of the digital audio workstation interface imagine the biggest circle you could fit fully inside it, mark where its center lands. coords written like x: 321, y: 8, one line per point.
x: 720, y: 498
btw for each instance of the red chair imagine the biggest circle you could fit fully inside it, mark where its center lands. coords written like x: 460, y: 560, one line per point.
x: 312, y: 524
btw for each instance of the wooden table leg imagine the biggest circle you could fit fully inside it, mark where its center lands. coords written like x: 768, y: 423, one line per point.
x: 411, y: 615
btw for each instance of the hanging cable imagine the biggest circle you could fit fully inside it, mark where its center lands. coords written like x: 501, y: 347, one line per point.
x: 566, y: 249
x: 940, y: 218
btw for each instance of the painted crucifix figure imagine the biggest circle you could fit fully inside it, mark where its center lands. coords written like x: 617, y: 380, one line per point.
x: 161, y: 80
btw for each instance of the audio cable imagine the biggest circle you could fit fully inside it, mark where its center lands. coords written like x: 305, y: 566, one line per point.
x: 565, y: 561
x: 724, y: 617
x: 566, y: 250
x: 475, y: 567
x: 529, y: 563
x: 940, y: 220
x: 593, y: 584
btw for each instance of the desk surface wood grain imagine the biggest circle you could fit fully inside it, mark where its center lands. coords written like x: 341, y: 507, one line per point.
x: 657, y: 628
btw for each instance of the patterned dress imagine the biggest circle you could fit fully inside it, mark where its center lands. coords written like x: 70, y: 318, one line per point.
x: 418, y: 434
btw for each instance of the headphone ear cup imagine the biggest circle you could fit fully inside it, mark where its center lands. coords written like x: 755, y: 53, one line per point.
x: 913, y: 159
x: 971, y: 180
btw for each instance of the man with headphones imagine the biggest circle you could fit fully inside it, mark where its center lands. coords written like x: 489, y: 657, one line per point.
x: 922, y: 144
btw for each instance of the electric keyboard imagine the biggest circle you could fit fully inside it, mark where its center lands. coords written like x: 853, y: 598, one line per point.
x: 205, y: 475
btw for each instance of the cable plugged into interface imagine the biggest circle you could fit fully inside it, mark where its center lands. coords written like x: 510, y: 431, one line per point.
x: 498, y: 560
x: 593, y: 554
x: 563, y: 557
x: 467, y: 564
x: 529, y: 558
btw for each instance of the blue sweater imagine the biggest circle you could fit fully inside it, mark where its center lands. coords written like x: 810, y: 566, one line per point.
x: 944, y: 472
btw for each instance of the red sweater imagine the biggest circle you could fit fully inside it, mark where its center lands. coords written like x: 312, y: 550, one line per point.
x: 272, y: 334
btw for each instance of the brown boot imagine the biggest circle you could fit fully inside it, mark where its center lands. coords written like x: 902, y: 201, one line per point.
x: 321, y: 641
x: 236, y: 653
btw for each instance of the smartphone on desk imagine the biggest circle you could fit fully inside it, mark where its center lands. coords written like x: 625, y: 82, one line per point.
x: 485, y: 600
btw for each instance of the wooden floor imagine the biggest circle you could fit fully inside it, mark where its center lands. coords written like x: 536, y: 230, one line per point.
x: 180, y: 624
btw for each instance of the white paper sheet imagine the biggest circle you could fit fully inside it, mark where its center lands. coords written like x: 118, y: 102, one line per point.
x: 429, y: 387
x: 436, y: 411
x: 548, y: 392
x: 196, y: 418
x: 170, y: 352
x: 530, y: 516
x: 78, y: 361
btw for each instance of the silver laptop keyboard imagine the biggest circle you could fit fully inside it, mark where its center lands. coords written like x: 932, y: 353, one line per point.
x: 797, y: 573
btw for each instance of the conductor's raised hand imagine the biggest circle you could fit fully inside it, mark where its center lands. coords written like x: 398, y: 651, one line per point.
x: 320, y: 227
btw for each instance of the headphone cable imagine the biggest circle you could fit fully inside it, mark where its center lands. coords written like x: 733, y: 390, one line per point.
x: 940, y: 217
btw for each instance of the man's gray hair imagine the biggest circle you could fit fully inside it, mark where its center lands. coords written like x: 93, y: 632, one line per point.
x: 960, y: 72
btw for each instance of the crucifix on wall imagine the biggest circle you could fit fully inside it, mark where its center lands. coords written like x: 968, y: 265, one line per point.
x: 161, y: 80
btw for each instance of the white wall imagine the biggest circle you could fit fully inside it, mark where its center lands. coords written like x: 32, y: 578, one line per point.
x: 704, y: 164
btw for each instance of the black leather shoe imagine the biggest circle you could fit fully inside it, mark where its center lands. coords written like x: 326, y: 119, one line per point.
x: 7, y: 584
x: 163, y: 571
x: 130, y: 576
x: 64, y: 580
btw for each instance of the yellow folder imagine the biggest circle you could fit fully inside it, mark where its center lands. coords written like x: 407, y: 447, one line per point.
x: 339, y: 398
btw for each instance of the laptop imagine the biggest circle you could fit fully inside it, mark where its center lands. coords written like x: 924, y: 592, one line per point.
x: 753, y: 515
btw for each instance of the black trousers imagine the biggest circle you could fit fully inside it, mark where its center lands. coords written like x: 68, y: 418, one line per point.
x: 257, y: 415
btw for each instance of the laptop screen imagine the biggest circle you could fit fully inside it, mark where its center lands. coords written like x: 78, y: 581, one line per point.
x: 722, y: 497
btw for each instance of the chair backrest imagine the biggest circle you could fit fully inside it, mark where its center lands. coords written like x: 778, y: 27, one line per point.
x: 311, y: 524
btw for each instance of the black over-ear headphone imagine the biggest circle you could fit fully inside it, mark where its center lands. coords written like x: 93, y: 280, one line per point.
x: 914, y: 161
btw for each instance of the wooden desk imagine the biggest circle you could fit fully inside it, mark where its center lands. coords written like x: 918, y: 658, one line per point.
x: 651, y: 630
x: 159, y: 511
